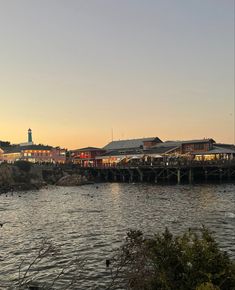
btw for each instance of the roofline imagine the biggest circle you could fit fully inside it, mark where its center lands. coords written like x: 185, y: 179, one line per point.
x: 87, y: 149
x: 172, y: 149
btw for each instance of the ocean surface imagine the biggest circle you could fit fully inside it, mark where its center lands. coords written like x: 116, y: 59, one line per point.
x: 88, y: 223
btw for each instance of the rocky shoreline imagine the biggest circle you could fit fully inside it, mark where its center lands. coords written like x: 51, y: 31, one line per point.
x: 4, y: 188
x: 23, y: 176
x: 73, y: 180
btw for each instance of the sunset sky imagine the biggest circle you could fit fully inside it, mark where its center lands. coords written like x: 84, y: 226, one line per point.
x: 74, y: 69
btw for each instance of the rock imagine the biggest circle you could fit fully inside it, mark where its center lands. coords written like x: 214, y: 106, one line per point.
x: 12, y: 178
x: 6, y: 174
x: 73, y: 180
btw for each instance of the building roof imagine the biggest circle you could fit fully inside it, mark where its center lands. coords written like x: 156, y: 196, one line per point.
x: 17, y: 149
x: 205, y: 140
x: 87, y: 149
x: 127, y: 152
x: 178, y: 143
x: 168, y: 144
x: 130, y: 144
x: 161, y: 149
x: 230, y: 146
x: 216, y: 150
x: 36, y: 147
x: 12, y: 149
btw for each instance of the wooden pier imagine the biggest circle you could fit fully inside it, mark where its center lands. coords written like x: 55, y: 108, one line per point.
x: 172, y: 173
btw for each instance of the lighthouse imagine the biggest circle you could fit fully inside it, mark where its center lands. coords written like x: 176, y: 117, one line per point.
x: 30, y: 138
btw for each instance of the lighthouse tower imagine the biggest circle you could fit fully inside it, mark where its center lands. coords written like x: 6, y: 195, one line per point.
x: 30, y: 138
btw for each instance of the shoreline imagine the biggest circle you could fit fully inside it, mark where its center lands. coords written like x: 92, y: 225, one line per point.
x: 36, y: 187
x: 25, y: 176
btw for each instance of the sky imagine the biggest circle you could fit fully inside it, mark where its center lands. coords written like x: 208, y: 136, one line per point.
x: 76, y: 70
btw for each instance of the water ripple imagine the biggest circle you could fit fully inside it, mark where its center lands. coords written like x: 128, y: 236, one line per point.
x: 89, y: 223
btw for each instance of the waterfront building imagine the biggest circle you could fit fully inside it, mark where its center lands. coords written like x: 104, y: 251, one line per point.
x: 58, y: 155
x: 86, y: 157
x: 11, y: 154
x: 202, y: 149
x: 31, y: 152
x: 130, y: 145
x: 218, y: 152
x: 185, y: 147
x: 34, y: 154
x: 120, y: 152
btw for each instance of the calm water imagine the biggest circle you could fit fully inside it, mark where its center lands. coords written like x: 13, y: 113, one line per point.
x: 89, y: 222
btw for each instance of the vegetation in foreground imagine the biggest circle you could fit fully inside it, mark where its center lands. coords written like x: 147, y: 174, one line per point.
x: 192, y: 261
x: 188, y: 262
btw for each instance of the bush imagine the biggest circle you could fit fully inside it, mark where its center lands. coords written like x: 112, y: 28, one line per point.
x: 207, y: 286
x: 188, y: 262
x: 23, y: 165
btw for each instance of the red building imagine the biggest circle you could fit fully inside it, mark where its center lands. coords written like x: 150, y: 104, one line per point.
x: 86, y: 157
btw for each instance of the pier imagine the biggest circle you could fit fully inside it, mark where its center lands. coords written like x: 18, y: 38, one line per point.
x: 174, y: 173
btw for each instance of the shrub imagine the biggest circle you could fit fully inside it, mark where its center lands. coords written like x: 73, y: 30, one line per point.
x: 188, y: 262
x: 207, y: 286
x: 23, y: 165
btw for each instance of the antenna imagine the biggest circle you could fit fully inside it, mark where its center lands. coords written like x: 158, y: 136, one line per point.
x: 112, y: 134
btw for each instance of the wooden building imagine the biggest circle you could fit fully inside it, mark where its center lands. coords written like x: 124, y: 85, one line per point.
x: 86, y: 157
x: 217, y: 153
x: 152, y: 151
x: 187, y: 147
x: 130, y: 145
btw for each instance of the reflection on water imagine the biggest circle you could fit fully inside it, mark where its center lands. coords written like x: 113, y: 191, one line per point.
x: 90, y: 222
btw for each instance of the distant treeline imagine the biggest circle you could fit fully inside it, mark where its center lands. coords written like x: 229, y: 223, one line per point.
x: 7, y: 144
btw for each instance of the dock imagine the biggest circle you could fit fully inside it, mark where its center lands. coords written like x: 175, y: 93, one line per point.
x: 174, y: 173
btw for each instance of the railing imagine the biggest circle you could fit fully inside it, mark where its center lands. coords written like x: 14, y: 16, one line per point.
x: 166, y: 164
x: 171, y: 163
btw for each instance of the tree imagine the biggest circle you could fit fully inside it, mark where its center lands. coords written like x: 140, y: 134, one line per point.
x: 30, y: 269
x: 25, y: 166
x: 188, y: 262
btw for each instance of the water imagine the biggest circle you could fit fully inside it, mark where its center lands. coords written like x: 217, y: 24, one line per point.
x: 89, y: 223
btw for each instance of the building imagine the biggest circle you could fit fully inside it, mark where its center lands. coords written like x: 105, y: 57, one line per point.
x: 152, y: 150
x: 187, y: 147
x: 121, y: 151
x: 218, y: 152
x: 58, y: 155
x: 125, y: 146
x: 11, y: 154
x: 36, y: 153
x: 114, y: 158
x: 32, y: 152
x: 86, y: 157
